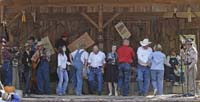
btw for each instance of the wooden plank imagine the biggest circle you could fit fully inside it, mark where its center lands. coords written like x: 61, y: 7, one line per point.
x: 14, y: 19
x: 111, y: 19
x: 100, y: 21
x: 90, y: 20
x: 2, y: 13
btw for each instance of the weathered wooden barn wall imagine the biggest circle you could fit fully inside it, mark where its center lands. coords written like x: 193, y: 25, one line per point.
x: 142, y: 20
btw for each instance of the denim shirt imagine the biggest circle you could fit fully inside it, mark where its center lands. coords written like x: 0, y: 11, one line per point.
x: 157, y: 60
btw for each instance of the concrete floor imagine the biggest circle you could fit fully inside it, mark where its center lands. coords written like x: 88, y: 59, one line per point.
x: 93, y: 98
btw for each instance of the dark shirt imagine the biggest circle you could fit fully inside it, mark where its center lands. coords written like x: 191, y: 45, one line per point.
x: 6, y: 54
x: 60, y: 43
x: 26, y: 60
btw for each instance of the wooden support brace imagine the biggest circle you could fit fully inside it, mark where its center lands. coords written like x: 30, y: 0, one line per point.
x: 89, y: 19
x: 111, y: 19
x: 100, y: 21
x: 14, y: 19
x: 2, y: 13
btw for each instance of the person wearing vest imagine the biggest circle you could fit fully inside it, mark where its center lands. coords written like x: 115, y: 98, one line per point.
x: 79, y: 59
x: 96, y: 63
x: 143, y: 69
x: 26, y: 60
x: 62, y: 71
x: 43, y: 80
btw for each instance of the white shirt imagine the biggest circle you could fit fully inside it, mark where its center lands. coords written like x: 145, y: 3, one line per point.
x: 62, y: 61
x: 96, y: 60
x: 143, y: 55
x: 84, y: 55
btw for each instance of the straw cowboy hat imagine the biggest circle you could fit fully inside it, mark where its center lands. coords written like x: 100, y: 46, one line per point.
x: 145, y: 42
x: 189, y: 41
x: 39, y: 43
x: 26, y: 44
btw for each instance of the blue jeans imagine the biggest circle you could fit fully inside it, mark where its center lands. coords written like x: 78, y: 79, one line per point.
x: 124, y: 78
x: 28, y: 75
x: 157, y: 77
x: 96, y: 72
x: 72, y: 75
x: 143, y: 78
x: 63, y: 81
x: 79, y: 78
x: 43, y: 77
x: 7, y: 69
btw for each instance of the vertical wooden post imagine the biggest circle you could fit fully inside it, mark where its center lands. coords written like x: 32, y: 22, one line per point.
x: 100, y: 27
x: 2, y: 13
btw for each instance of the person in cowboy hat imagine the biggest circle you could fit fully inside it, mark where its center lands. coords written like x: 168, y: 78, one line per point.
x: 6, y: 59
x: 43, y: 68
x: 191, y: 63
x: 26, y: 60
x: 143, y: 70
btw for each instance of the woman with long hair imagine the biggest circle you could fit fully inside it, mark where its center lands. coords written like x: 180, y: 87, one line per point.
x: 62, y: 71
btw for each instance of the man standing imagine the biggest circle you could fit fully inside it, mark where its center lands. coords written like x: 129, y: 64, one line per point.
x: 143, y: 69
x: 96, y: 62
x: 32, y: 43
x: 79, y: 58
x: 6, y: 59
x: 191, y: 62
x: 26, y: 60
x: 125, y: 58
x: 42, y: 58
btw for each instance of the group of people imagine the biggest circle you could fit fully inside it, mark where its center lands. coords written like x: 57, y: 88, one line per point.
x: 114, y: 67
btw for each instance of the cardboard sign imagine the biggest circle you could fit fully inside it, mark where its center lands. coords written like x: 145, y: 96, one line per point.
x: 48, y: 45
x: 85, y: 40
x: 122, y: 30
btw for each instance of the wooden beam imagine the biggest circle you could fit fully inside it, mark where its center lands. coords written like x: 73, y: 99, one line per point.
x: 90, y: 20
x: 2, y: 13
x: 100, y: 21
x: 14, y: 19
x: 111, y: 19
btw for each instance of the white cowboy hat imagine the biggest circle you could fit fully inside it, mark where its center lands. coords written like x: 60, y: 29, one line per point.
x: 145, y: 42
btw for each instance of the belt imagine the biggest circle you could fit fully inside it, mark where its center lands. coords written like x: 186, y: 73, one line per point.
x: 124, y: 63
x: 188, y: 63
x: 96, y: 67
x: 143, y: 65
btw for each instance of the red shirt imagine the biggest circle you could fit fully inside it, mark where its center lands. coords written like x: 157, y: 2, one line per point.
x: 125, y: 54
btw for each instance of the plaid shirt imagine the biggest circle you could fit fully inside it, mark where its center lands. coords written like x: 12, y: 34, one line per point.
x: 6, y: 54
